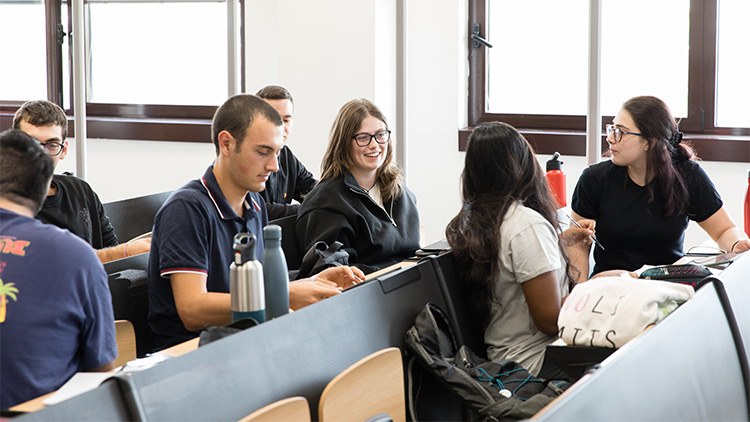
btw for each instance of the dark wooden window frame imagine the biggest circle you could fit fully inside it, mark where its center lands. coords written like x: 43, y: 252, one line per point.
x: 567, y: 134
x: 121, y: 121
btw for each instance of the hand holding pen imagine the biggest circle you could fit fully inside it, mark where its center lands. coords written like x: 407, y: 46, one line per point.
x: 593, y: 238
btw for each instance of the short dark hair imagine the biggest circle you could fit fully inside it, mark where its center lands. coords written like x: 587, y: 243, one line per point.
x: 237, y: 114
x: 26, y: 170
x: 275, y: 92
x: 41, y: 113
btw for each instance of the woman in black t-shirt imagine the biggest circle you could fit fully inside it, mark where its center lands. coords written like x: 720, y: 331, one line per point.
x: 643, y: 198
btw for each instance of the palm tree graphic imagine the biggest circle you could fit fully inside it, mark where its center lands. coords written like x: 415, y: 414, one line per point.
x: 6, y: 291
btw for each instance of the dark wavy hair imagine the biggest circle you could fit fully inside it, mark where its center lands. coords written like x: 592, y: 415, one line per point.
x: 666, y: 149
x: 500, y: 168
x: 41, y: 113
x: 25, y: 170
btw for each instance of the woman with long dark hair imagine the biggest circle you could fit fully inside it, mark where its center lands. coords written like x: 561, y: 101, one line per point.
x: 643, y: 198
x: 506, y: 242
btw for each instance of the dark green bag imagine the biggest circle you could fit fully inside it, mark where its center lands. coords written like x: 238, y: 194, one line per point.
x: 500, y: 390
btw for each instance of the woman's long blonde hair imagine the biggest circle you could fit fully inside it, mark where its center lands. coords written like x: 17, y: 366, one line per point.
x: 337, y: 159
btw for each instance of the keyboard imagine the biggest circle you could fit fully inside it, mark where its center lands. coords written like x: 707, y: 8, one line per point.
x: 691, y: 274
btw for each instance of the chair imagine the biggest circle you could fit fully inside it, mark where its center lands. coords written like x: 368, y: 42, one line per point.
x: 125, y: 335
x: 289, y: 241
x: 292, y: 409
x: 369, y: 388
x: 129, y: 290
x: 135, y: 216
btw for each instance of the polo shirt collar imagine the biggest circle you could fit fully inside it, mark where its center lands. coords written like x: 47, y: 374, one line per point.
x: 220, y: 201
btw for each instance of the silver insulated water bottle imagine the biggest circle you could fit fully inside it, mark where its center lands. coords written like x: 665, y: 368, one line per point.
x: 246, y: 280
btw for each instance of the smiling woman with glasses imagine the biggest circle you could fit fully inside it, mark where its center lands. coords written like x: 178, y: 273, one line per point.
x: 361, y: 200
x: 643, y: 199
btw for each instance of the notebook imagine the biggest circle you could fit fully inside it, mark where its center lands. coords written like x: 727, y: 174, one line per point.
x: 136, y: 262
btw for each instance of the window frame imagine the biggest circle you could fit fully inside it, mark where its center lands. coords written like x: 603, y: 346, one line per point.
x: 567, y: 134
x: 180, y: 123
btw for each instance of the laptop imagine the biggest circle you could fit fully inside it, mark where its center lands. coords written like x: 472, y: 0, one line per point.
x: 576, y: 360
x: 433, y: 248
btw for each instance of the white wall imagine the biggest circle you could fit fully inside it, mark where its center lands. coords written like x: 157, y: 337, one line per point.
x: 328, y: 52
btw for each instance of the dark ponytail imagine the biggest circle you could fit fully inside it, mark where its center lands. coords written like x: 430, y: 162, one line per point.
x: 666, y: 150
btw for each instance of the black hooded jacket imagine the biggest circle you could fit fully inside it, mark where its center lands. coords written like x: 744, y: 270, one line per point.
x: 375, y: 237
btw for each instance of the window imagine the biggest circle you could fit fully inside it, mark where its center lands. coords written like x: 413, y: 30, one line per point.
x: 157, y: 69
x: 535, y: 76
x: 24, y: 76
x: 733, y: 89
x: 177, y: 55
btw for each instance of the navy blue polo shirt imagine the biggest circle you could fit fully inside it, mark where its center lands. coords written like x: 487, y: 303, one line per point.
x: 194, y: 233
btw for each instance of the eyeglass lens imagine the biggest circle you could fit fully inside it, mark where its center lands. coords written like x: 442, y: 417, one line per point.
x: 52, y: 148
x: 364, y: 139
x: 614, y: 130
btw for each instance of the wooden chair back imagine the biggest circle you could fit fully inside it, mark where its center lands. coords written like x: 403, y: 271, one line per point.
x: 125, y: 335
x: 372, y: 387
x: 292, y: 409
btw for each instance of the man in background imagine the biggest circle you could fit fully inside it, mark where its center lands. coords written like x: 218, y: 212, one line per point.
x: 293, y: 180
x: 71, y: 203
x: 55, y: 307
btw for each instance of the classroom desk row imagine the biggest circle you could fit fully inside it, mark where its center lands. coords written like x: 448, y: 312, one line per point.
x: 690, y: 366
x: 113, y: 399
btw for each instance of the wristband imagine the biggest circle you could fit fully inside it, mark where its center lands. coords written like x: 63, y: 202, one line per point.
x: 125, y: 250
x: 734, y: 244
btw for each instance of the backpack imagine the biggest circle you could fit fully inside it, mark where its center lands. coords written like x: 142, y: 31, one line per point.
x: 498, y: 390
x: 321, y: 256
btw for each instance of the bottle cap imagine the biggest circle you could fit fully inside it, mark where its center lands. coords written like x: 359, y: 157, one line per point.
x: 271, y: 232
x: 554, y: 163
x: 244, y: 248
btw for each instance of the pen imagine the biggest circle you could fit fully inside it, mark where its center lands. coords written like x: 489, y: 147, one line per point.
x: 593, y: 238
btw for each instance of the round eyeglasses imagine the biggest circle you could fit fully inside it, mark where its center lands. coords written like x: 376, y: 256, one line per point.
x: 53, y: 147
x: 617, y: 132
x: 364, y: 139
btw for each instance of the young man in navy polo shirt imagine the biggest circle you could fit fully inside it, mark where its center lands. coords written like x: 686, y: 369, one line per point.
x: 192, y: 243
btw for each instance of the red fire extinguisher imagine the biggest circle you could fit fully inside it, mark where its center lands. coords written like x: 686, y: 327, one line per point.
x: 556, y: 179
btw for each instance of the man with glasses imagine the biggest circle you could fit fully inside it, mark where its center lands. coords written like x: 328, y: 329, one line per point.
x: 56, y: 311
x: 71, y: 203
x: 293, y: 180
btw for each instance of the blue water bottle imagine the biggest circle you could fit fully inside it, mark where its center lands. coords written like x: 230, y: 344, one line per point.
x: 275, y: 273
x: 246, y: 280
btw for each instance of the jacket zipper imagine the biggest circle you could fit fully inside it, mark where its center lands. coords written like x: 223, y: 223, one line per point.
x: 378, y: 205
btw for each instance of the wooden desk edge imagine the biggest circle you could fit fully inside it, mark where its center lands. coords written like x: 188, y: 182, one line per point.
x: 37, y: 404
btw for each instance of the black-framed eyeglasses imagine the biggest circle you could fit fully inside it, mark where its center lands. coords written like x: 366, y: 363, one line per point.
x: 53, y: 146
x: 617, y: 132
x: 364, y: 139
